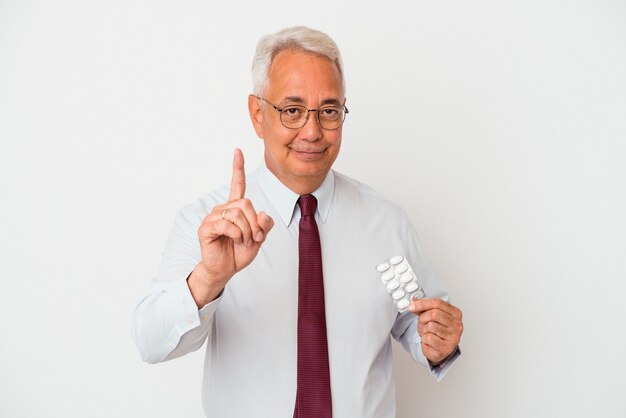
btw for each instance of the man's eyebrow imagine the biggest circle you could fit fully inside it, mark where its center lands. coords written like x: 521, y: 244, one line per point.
x: 333, y: 102
x: 293, y: 99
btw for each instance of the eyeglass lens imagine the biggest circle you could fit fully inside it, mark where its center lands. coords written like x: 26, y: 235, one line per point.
x: 329, y: 117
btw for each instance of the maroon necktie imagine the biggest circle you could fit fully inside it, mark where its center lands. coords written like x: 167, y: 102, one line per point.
x: 313, y: 395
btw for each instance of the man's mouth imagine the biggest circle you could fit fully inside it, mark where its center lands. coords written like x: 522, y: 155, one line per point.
x: 309, y: 151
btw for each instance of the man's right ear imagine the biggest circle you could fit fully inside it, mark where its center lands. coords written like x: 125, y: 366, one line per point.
x: 256, y: 115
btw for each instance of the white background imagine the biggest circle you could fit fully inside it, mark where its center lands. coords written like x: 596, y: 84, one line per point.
x: 498, y: 125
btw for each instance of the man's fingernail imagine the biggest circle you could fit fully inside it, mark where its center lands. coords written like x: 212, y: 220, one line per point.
x: 259, y: 236
x: 249, y: 243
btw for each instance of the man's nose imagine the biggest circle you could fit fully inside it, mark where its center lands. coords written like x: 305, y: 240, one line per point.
x: 311, y: 131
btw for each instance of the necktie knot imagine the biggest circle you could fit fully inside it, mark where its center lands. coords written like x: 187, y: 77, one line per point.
x: 308, y: 204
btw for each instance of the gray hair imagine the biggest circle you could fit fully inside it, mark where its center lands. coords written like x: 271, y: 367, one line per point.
x: 296, y: 38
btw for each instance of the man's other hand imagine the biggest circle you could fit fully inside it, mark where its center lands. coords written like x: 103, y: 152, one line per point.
x: 440, y: 326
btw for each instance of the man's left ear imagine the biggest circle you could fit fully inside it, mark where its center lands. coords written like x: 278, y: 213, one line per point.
x: 256, y: 116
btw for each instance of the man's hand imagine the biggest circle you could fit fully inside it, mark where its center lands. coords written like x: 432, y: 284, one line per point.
x: 440, y: 326
x: 230, y: 237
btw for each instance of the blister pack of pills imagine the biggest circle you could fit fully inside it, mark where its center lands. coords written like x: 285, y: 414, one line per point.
x: 401, y: 281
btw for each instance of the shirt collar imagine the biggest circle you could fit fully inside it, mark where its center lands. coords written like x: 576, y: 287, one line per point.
x: 284, y: 199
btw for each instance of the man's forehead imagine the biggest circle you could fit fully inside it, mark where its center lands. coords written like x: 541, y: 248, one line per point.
x: 299, y: 100
x: 289, y: 64
x: 298, y: 77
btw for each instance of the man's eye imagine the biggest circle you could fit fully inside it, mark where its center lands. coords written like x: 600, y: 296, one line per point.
x: 292, y: 112
x: 330, y: 113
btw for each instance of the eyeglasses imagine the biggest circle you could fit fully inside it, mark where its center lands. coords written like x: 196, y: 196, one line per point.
x: 296, y: 116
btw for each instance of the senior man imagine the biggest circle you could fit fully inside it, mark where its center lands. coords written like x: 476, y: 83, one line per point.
x: 277, y: 272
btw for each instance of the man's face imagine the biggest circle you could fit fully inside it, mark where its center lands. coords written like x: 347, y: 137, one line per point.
x: 300, y: 158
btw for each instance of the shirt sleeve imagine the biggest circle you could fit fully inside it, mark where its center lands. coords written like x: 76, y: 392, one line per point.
x: 405, y: 326
x: 167, y: 323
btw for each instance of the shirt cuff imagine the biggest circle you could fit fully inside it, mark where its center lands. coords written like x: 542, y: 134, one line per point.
x: 189, y: 316
x: 440, y: 370
x: 192, y: 323
x: 206, y: 312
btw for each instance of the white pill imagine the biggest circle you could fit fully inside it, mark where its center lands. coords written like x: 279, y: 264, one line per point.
x: 393, y: 285
x: 419, y: 294
x: 396, y: 260
x: 398, y: 294
x: 407, y: 277
x: 402, y: 304
x: 411, y: 287
x: 382, y: 267
x: 388, y: 275
x: 402, y: 268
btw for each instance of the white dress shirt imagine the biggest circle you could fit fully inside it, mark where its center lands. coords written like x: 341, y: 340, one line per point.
x: 251, y: 355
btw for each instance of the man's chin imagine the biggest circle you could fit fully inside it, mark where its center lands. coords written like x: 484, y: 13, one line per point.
x: 311, y: 169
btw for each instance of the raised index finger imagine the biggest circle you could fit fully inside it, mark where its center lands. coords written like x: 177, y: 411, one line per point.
x: 238, y: 182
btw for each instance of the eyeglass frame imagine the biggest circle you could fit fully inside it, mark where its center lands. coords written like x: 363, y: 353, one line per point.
x: 317, y: 117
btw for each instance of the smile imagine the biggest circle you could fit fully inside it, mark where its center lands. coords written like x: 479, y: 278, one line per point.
x: 310, y: 151
x: 309, y: 154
